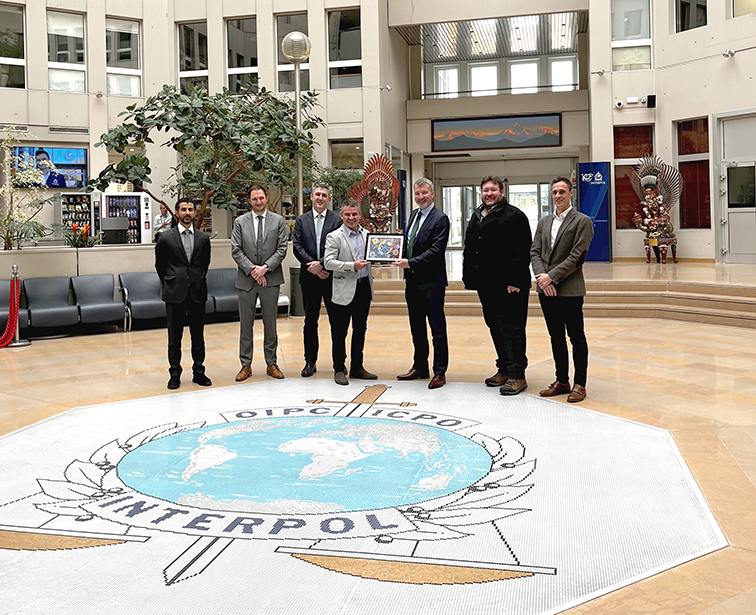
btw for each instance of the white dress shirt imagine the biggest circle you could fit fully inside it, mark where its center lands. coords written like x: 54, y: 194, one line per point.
x: 557, y: 224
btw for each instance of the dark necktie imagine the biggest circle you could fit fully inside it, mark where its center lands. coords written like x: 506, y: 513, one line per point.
x: 413, y: 232
x: 259, y: 235
x: 188, y: 245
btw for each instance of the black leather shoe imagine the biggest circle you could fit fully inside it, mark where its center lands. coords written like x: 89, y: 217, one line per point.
x: 174, y: 383
x: 362, y: 374
x: 202, y: 380
x: 413, y: 374
x: 308, y: 370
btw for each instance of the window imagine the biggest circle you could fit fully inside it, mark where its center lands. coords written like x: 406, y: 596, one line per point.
x: 562, y: 74
x: 630, y: 143
x: 347, y: 154
x: 631, y: 35
x: 743, y: 7
x: 122, y: 56
x: 484, y: 79
x: 193, y: 55
x: 286, y: 24
x: 693, y: 159
x: 523, y: 77
x: 447, y: 81
x: 690, y: 14
x: 12, y: 63
x: 344, y: 49
x: 242, y: 52
x: 66, y: 70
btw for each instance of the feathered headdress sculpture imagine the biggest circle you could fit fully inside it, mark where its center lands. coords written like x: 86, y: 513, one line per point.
x: 377, y: 194
x: 653, y: 172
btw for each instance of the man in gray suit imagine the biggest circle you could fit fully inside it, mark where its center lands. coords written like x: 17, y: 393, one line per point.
x: 352, y: 292
x: 559, y: 247
x: 258, y: 245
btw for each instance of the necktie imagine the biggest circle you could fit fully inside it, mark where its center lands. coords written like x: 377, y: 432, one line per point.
x: 318, y: 231
x: 413, y: 232
x: 259, y: 235
x: 188, y: 245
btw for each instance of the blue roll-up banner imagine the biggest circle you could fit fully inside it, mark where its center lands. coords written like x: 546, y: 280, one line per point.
x: 593, y: 201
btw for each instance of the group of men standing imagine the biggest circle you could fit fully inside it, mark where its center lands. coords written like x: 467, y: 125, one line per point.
x: 331, y: 249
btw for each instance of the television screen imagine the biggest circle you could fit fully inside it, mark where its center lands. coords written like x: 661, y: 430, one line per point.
x: 70, y: 164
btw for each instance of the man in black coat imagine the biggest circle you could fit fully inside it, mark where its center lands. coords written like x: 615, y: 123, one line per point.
x: 182, y: 258
x: 496, y: 264
x: 425, y: 284
x: 308, y: 241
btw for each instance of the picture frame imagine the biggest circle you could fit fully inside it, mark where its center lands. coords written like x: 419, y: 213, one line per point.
x: 384, y: 248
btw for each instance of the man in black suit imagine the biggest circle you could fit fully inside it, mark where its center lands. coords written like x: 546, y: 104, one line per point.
x: 425, y: 284
x: 182, y: 258
x: 308, y: 241
x: 497, y: 264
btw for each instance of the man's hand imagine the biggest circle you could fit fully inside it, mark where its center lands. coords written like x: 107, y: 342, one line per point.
x: 402, y: 263
x: 258, y: 274
x: 314, y: 267
x: 543, y: 280
x: 323, y: 275
x: 550, y: 291
x: 512, y: 289
x: 360, y: 265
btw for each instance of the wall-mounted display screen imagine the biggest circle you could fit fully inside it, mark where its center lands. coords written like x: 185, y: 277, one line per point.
x: 70, y: 164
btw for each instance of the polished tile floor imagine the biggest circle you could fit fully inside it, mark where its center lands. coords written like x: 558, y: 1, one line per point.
x: 697, y: 380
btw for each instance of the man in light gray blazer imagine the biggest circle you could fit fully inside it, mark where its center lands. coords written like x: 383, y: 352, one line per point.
x: 559, y: 248
x: 352, y: 292
x: 258, y: 245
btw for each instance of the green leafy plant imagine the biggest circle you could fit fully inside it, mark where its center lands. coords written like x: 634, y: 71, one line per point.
x: 219, y: 139
x: 340, y: 181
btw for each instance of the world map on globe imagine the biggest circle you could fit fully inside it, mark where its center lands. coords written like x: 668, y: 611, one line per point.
x: 305, y: 465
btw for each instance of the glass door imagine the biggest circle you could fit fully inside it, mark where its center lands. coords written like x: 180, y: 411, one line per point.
x: 740, y: 201
x: 459, y: 202
x: 526, y: 197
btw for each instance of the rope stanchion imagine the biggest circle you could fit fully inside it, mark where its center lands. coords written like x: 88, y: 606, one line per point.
x: 10, y: 337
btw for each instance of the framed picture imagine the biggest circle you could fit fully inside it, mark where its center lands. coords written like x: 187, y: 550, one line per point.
x: 510, y: 132
x: 384, y: 248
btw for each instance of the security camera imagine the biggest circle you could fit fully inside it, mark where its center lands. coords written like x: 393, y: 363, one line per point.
x: 619, y: 104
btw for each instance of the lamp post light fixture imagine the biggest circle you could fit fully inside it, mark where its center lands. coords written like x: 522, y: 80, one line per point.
x: 296, y: 48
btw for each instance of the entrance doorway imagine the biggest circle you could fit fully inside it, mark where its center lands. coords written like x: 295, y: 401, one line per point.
x: 740, y: 205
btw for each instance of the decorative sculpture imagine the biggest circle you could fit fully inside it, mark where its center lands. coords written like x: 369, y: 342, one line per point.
x: 377, y: 194
x: 658, y: 186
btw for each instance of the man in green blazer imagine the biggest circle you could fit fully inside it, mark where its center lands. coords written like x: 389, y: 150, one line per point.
x: 560, y: 244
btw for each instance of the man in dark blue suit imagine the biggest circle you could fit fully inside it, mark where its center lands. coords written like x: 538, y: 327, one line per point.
x: 182, y: 258
x: 308, y: 240
x: 425, y: 284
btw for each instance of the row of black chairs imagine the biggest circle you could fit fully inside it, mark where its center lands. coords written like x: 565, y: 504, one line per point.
x: 47, y: 299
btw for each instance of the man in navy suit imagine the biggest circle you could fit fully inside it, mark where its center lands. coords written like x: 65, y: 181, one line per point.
x: 425, y: 284
x: 182, y: 258
x: 308, y: 241
x: 53, y: 179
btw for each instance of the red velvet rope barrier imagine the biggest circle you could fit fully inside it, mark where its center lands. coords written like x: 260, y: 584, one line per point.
x: 10, y: 327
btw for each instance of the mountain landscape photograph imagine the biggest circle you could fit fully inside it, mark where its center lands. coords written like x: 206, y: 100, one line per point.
x: 497, y: 133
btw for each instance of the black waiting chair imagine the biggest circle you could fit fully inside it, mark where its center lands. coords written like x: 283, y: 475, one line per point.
x: 141, y: 294
x: 47, y: 299
x: 221, y: 286
x: 23, y: 313
x: 94, y: 296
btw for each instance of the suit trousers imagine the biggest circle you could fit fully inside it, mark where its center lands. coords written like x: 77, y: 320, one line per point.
x: 269, y: 306
x: 422, y: 304
x: 566, y: 313
x: 178, y: 315
x: 314, y: 292
x: 357, y: 311
x: 506, y: 315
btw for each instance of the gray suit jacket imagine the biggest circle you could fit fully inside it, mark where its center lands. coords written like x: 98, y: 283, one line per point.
x: 339, y: 257
x: 244, y: 249
x: 564, y: 261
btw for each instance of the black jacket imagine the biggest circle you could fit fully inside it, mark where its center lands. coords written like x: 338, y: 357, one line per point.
x: 427, y: 267
x: 303, y: 239
x: 497, y: 249
x: 178, y: 276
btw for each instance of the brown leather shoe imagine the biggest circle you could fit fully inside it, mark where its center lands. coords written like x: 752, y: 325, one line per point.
x: 412, y: 374
x: 497, y: 380
x: 556, y: 388
x: 362, y: 374
x: 308, y: 370
x: 513, y: 387
x: 437, y: 381
x: 340, y: 378
x: 576, y: 394
x: 274, y: 372
x: 244, y: 373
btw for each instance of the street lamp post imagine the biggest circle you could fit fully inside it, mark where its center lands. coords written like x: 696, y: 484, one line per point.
x: 296, y: 48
